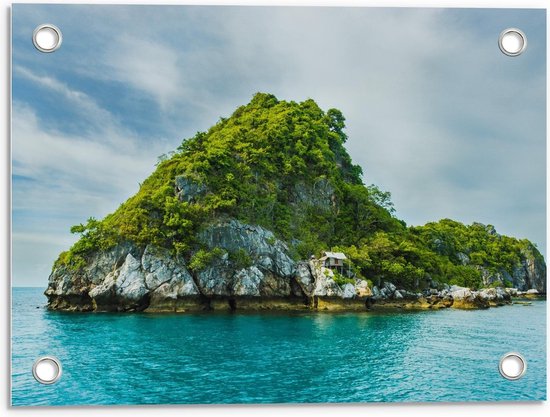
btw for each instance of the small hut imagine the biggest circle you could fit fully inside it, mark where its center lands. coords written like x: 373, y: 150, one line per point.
x: 333, y: 260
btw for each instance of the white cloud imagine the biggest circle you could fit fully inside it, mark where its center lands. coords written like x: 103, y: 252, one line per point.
x: 76, y: 161
x: 62, y: 179
x: 86, y: 105
x: 147, y: 66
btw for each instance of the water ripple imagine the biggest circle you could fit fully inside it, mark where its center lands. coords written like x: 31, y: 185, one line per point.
x: 274, y: 358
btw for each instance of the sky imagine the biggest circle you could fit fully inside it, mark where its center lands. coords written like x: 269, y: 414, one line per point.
x: 435, y: 113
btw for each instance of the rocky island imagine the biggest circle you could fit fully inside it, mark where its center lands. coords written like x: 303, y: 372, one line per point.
x: 266, y: 210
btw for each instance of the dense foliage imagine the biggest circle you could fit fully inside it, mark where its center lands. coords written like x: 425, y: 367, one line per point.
x: 442, y: 252
x: 283, y: 165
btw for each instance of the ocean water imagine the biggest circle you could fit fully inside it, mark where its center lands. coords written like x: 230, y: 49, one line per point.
x: 448, y: 355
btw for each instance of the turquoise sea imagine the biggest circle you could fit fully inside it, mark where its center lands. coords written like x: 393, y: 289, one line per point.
x: 448, y: 355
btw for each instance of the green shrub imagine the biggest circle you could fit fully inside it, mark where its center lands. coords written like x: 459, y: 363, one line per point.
x: 342, y: 280
x: 204, y: 258
x: 240, y: 259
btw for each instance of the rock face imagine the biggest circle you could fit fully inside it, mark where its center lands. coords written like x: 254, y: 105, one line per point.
x: 321, y: 195
x: 122, y: 279
x: 188, y: 190
x: 528, y: 273
x: 127, y: 278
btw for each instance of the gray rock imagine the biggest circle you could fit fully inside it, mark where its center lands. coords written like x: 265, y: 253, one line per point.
x: 247, y: 282
x: 216, y: 279
x: 530, y: 273
x: 389, y: 287
x: 127, y: 278
x: 362, y: 288
x: 166, y: 275
x: 511, y: 291
x: 274, y: 285
x: 494, y: 295
x: 320, y: 196
x: 489, y: 278
x: 267, y: 252
x: 304, y: 277
x: 466, y: 298
x: 460, y: 293
x: 188, y: 190
x: 105, y: 292
x: 463, y: 258
x: 348, y: 291
x: 325, y: 285
x: 130, y: 284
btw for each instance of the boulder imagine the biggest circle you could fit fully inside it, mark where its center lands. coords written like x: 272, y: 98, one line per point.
x: 362, y: 289
x: 494, y: 296
x: 464, y: 298
x: 513, y: 292
x: 463, y: 258
x: 348, y: 291
x: 304, y: 278
x: 325, y: 286
x: 389, y: 287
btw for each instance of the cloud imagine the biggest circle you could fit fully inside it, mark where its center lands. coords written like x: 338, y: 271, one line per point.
x: 148, y: 66
x: 435, y: 113
x: 61, y: 178
x: 72, y: 177
x: 86, y: 105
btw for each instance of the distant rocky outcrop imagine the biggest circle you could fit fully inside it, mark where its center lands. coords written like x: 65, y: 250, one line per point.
x: 528, y: 273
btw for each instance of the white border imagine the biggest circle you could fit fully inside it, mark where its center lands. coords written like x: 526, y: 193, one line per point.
x: 388, y: 409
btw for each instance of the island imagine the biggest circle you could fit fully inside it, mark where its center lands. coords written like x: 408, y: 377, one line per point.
x: 267, y: 211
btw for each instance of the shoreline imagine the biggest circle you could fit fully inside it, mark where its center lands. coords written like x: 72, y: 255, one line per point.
x: 314, y: 304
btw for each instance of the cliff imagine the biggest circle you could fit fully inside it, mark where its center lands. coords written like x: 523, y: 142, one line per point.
x: 237, y: 218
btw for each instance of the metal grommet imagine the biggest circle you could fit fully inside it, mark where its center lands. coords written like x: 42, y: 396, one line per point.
x: 512, y: 42
x: 512, y: 366
x: 47, y: 370
x: 47, y: 38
